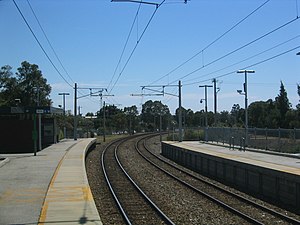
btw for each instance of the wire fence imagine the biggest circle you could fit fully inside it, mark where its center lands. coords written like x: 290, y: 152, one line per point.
x: 279, y: 140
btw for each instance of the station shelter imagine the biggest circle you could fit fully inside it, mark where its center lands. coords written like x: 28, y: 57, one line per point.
x: 27, y: 129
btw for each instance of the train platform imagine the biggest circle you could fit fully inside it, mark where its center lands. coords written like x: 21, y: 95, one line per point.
x: 49, y: 188
x: 272, y: 177
x: 280, y: 162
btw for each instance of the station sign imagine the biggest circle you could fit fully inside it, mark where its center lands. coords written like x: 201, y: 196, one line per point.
x: 39, y: 111
x: 30, y: 110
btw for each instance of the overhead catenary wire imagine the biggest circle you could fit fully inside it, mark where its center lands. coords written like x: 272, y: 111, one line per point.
x: 42, y: 29
x: 248, y: 58
x: 125, y: 45
x: 246, y: 67
x: 297, y: 8
x: 133, y: 50
x: 40, y: 45
x: 48, y: 41
x: 238, y: 49
x: 211, y: 43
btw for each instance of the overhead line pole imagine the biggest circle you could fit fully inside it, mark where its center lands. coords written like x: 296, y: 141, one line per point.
x: 75, y: 112
x: 75, y: 105
x: 64, y: 112
x: 104, y: 128
x: 162, y: 92
x: 101, y: 95
x: 215, y: 98
x: 180, y: 112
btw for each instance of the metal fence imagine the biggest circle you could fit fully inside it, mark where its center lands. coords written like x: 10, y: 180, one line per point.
x: 279, y: 140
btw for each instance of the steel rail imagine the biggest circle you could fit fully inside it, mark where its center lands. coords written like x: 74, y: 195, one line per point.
x: 267, y: 209
x: 109, y: 184
x: 161, y: 214
x: 217, y: 201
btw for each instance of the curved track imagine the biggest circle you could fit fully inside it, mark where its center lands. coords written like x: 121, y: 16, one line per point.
x: 243, y: 207
x: 136, y: 207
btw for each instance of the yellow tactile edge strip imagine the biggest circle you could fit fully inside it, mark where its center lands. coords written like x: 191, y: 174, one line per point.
x: 44, y: 209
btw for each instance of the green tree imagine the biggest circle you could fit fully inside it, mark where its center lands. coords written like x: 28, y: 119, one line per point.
x: 283, y: 105
x: 27, y: 84
x: 8, y: 87
x: 199, y: 118
x: 89, y: 114
x: 188, y: 118
x: 33, y: 86
x: 131, y: 117
x: 118, y: 122
x: 263, y: 114
x: 238, y: 115
x: 151, y: 112
x: 224, y: 118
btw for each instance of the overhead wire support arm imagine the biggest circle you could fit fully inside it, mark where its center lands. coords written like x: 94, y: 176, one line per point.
x: 159, y: 92
x: 146, y: 95
x: 153, y: 90
x: 99, y: 90
x: 141, y: 2
x: 162, y: 92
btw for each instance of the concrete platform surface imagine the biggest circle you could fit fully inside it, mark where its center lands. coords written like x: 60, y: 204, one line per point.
x: 275, y: 162
x: 51, y: 186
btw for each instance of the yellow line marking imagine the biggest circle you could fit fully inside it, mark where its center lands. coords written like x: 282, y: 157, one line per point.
x: 45, y: 205
x: 43, y: 213
x: 87, y: 194
x: 56, y: 171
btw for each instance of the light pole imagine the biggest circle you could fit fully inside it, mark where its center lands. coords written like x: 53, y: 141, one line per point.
x: 246, y: 101
x: 206, y: 122
x: 205, y: 87
x: 64, y: 111
x: 180, y: 113
x: 39, y: 119
x: 205, y: 116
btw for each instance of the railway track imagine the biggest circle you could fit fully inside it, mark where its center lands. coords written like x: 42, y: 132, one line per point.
x: 135, y: 206
x: 183, y: 205
x: 247, y: 209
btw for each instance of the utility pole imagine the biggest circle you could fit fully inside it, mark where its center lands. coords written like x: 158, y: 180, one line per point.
x: 64, y: 111
x: 104, y: 128
x: 101, y: 95
x: 215, y: 99
x: 75, y: 113
x: 40, y: 121
x: 75, y: 104
x: 160, y: 126
x: 180, y: 112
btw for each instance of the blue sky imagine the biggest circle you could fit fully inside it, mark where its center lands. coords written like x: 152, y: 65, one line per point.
x: 88, y: 37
